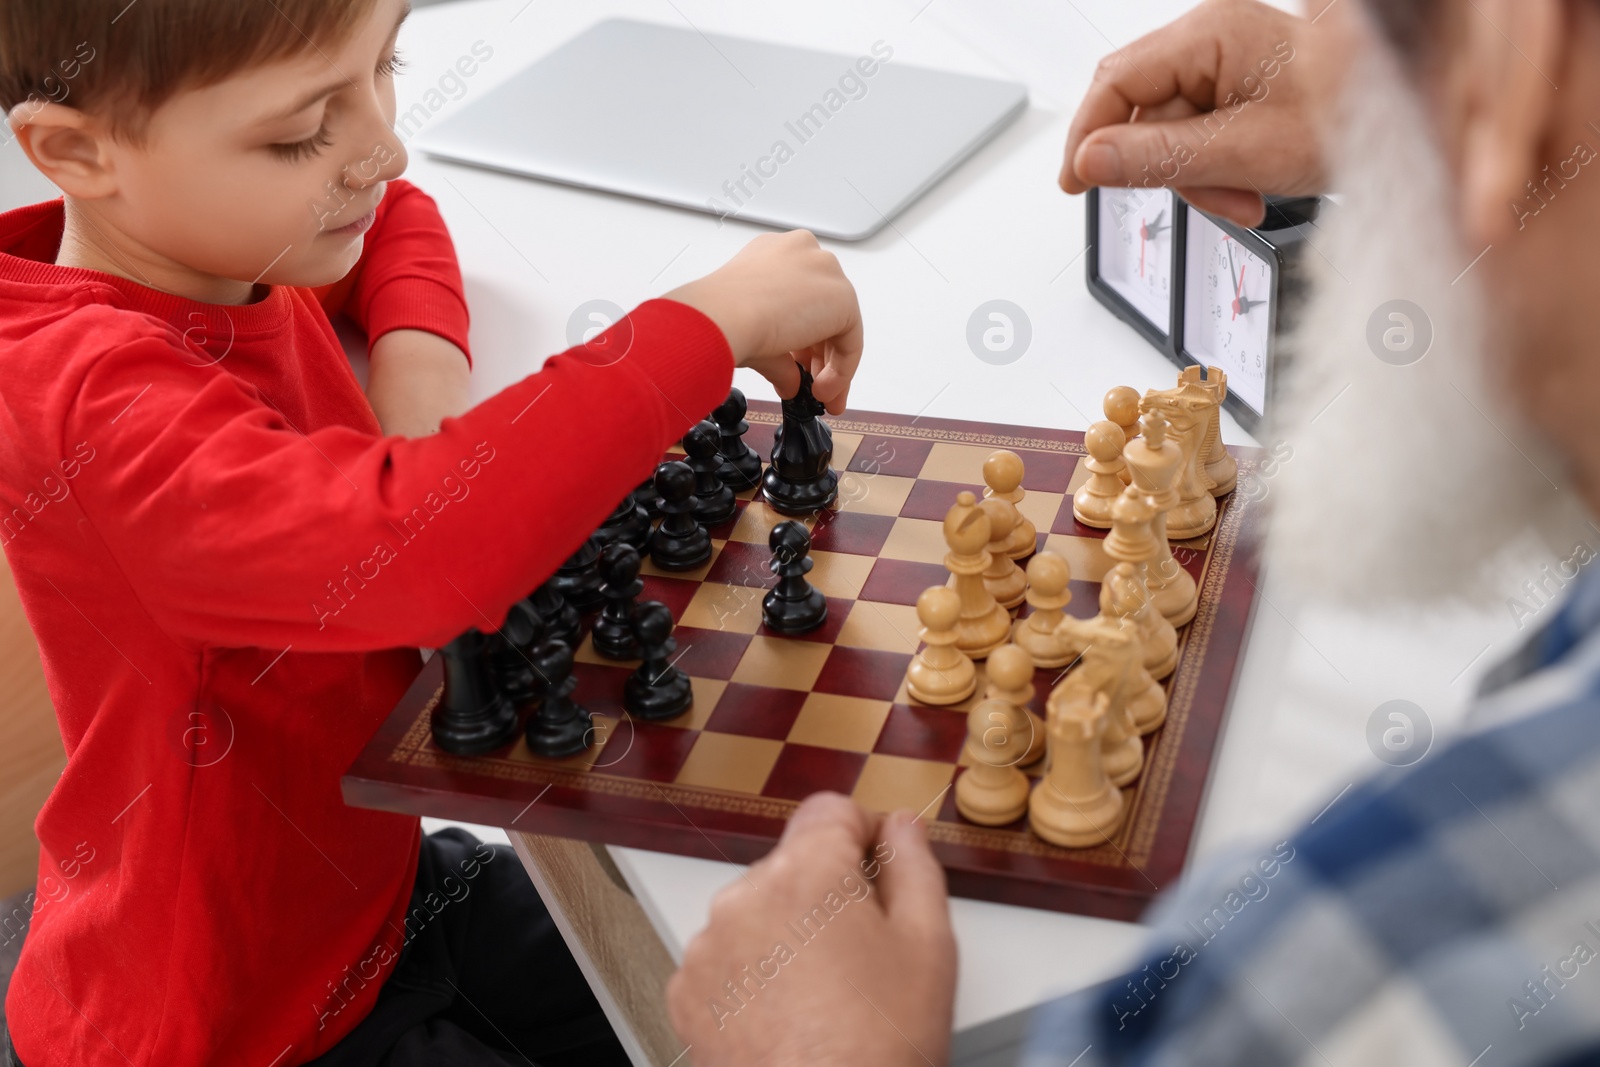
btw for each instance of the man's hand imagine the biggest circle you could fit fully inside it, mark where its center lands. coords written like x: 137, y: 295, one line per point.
x: 1225, y: 112
x: 834, y: 949
x: 415, y: 379
x: 783, y: 301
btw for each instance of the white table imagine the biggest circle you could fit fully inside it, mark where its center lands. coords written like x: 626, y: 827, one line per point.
x: 998, y: 227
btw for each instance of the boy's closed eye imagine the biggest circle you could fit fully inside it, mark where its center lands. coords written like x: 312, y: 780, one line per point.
x: 295, y: 151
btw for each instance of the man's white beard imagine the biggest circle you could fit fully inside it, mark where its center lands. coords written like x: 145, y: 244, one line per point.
x: 1403, y: 484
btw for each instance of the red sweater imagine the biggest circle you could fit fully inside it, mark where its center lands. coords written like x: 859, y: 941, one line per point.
x: 228, y: 570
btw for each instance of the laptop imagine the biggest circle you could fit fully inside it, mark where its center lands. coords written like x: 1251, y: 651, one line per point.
x: 788, y: 137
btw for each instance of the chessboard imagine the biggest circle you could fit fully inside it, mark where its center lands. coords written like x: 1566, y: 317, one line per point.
x: 776, y: 718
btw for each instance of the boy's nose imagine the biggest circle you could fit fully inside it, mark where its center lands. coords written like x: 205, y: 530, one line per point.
x: 385, y: 161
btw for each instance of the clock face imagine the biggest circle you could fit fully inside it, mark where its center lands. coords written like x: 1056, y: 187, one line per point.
x: 1135, y: 250
x: 1227, y: 308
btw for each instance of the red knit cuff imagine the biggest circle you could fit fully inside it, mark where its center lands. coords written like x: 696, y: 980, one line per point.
x: 418, y: 304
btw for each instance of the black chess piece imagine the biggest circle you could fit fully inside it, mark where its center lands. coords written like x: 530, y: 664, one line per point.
x: 613, y: 627
x: 560, y: 727
x: 645, y: 496
x: 629, y: 523
x: 473, y: 716
x: 799, y: 481
x: 741, y: 464
x: 561, y: 619
x: 511, y: 654
x: 794, y: 605
x: 657, y: 690
x: 680, y: 543
x: 578, y: 579
x: 702, y: 446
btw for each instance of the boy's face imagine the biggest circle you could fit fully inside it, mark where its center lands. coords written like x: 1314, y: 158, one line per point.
x: 270, y: 176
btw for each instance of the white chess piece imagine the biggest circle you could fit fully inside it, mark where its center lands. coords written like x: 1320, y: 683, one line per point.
x: 941, y: 673
x: 1048, y: 578
x: 1002, y: 577
x: 1155, y: 460
x: 992, y: 791
x: 983, y: 625
x: 1002, y: 474
x: 1121, y: 406
x: 1076, y: 805
x: 1091, y: 504
x: 1010, y: 681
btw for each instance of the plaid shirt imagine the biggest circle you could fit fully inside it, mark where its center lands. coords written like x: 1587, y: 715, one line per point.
x: 1446, y: 914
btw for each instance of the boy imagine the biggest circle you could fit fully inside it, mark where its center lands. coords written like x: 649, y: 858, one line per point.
x: 229, y: 568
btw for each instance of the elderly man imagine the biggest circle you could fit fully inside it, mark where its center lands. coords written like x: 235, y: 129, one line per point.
x: 1448, y: 914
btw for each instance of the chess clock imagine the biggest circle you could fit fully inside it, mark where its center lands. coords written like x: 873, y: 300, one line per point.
x: 1199, y: 288
x: 1133, y: 262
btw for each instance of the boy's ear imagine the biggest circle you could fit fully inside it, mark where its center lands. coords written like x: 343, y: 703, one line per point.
x: 65, y: 145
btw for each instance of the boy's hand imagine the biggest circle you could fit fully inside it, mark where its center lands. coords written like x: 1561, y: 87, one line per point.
x: 831, y: 969
x: 781, y: 301
x: 1226, y: 98
x: 415, y: 379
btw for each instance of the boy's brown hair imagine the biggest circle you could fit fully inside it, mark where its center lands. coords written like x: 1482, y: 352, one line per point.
x: 122, y: 59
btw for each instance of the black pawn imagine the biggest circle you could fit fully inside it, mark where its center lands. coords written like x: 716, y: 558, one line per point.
x: 473, y: 716
x: 578, y: 579
x: 794, y: 605
x: 703, y: 447
x: 657, y: 690
x: 645, y: 496
x: 799, y: 481
x: 613, y: 627
x: 560, y: 727
x: 629, y: 523
x: 741, y: 464
x: 680, y: 543
x: 561, y: 620
x: 511, y: 654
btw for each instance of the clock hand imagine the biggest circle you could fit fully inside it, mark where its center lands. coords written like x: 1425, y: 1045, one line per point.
x: 1156, y: 226
x: 1238, y: 294
x: 1228, y: 245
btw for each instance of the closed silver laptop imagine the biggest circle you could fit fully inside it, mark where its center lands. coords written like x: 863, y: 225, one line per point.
x: 793, y: 138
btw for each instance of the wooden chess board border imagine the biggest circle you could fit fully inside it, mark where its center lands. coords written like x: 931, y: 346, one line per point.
x: 1114, y: 880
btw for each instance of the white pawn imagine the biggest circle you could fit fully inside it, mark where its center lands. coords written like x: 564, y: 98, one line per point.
x: 1121, y: 406
x: 1091, y: 504
x: 1002, y: 577
x: 1010, y: 681
x: 1076, y: 805
x: 992, y: 791
x: 1002, y: 474
x: 941, y: 673
x: 1048, y: 577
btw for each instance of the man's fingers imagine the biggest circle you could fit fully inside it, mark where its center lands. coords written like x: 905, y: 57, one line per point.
x: 1241, y: 149
x: 826, y: 822
x: 1102, y: 107
x: 912, y: 883
x: 1151, y: 154
x: 1149, y: 73
x: 1245, y: 208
